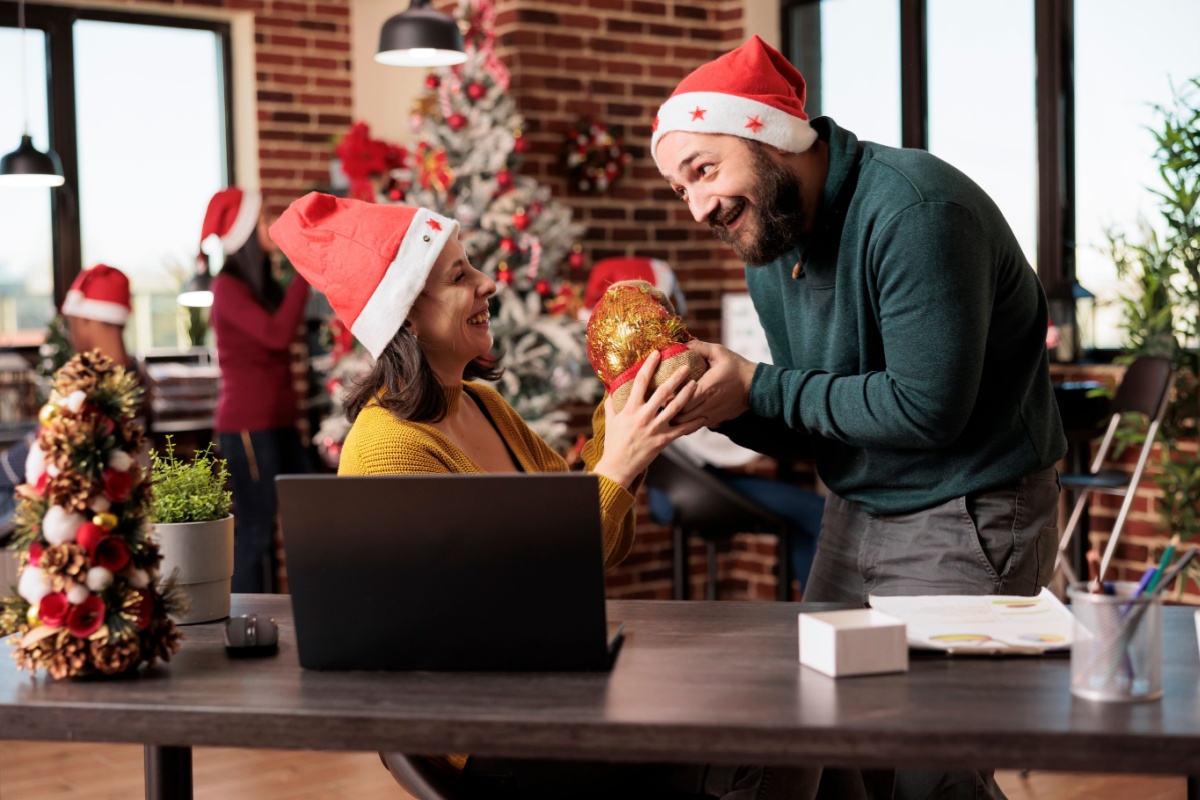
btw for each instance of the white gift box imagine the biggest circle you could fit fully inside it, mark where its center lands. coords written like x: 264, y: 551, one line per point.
x: 858, y: 641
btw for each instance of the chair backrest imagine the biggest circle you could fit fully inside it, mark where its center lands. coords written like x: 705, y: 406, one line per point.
x: 1145, y: 387
x: 703, y: 504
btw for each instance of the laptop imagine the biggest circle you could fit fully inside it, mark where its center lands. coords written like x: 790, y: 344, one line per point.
x: 447, y: 572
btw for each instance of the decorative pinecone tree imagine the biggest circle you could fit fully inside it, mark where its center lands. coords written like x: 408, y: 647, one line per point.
x: 465, y: 167
x: 87, y: 598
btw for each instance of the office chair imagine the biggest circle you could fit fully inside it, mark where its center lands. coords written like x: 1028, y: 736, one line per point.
x: 706, y: 507
x: 1145, y: 389
x: 417, y: 777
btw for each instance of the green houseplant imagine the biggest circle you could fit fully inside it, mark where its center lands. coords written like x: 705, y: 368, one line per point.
x: 1161, y: 309
x: 194, y: 527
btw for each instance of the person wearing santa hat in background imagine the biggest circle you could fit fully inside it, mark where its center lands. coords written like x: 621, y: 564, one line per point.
x: 254, y: 321
x: 706, y: 448
x: 907, y: 331
x: 96, y: 308
x: 399, y: 279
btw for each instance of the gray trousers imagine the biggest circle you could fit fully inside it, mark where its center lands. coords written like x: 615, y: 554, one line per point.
x: 1002, y: 541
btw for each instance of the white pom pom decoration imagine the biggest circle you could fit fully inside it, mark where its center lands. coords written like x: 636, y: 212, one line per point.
x: 120, y: 460
x: 59, y: 526
x: 52, y: 470
x: 77, y: 594
x: 34, y: 585
x: 138, y: 578
x: 99, y: 579
x: 100, y: 504
x: 35, y: 465
x: 74, y: 401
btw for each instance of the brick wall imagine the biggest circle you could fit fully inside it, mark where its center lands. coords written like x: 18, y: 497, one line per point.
x: 617, y: 61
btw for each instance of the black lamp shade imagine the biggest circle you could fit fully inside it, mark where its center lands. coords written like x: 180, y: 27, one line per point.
x: 28, y: 166
x: 420, y: 37
x: 197, y: 292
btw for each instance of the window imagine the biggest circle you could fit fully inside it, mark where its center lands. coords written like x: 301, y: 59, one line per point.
x: 141, y: 119
x: 26, y: 259
x: 1125, y: 63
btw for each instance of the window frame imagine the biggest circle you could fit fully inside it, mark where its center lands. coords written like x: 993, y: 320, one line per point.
x: 1054, y: 33
x: 57, y: 23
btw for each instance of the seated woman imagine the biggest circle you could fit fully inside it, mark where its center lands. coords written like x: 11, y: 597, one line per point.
x: 399, y: 279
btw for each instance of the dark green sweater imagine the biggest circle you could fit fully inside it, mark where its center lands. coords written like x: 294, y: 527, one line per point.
x: 912, y: 344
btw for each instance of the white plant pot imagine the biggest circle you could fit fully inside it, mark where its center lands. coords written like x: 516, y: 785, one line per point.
x: 202, y: 552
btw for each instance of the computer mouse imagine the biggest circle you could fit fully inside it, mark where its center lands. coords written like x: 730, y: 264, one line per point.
x: 251, y: 635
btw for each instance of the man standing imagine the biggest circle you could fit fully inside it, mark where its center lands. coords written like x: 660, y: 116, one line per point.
x: 907, y: 332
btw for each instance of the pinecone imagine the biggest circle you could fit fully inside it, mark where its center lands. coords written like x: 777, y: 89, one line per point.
x: 161, y: 640
x: 81, y: 372
x: 71, y: 660
x: 66, y: 565
x: 116, y: 656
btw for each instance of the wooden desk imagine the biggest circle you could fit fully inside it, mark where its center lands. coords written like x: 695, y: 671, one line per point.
x: 694, y: 682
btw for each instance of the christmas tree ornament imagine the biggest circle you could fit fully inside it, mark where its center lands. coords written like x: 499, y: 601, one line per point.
x: 476, y: 91
x: 504, y: 275
x: 542, y: 288
x: 504, y: 179
x: 79, y: 562
x: 520, y: 143
x: 632, y: 320
x: 456, y: 121
x: 577, y: 259
x: 432, y: 81
x: 520, y: 220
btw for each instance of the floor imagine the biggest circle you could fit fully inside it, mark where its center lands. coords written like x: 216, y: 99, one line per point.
x: 53, y: 771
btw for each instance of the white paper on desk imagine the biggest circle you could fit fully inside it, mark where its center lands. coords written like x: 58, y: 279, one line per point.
x: 986, y: 622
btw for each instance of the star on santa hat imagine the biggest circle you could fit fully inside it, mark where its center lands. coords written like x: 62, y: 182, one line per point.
x: 698, y: 113
x: 433, y: 223
x: 754, y: 124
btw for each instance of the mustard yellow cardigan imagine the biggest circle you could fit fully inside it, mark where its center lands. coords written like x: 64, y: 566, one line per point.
x: 380, y: 444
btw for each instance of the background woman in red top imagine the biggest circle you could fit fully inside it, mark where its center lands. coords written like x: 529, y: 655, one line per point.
x: 254, y: 320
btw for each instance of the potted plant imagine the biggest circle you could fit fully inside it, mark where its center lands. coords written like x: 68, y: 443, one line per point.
x: 194, y: 529
x: 1162, y: 270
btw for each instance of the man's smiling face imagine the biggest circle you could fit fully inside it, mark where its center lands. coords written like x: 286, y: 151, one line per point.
x: 749, y: 199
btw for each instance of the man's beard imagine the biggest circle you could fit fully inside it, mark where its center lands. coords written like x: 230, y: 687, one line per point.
x: 775, y: 221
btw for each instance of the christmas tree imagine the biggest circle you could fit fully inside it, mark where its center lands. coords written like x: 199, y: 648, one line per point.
x: 87, y: 598
x: 465, y: 166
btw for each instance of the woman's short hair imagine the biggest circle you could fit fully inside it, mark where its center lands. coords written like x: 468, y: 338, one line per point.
x: 403, y: 383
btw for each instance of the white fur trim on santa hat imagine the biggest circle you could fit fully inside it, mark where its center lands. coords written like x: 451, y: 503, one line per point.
x: 244, y: 224
x: 76, y: 305
x: 404, y: 279
x: 716, y: 112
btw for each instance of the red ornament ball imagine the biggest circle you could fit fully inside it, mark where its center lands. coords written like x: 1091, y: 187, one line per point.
x: 542, y: 288
x: 456, y: 122
x: 508, y: 245
x: 504, y: 178
x: 520, y: 220
x: 504, y: 276
x: 576, y: 259
x: 395, y: 194
x: 432, y: 81
x: 520, y: 144
x: 475, y: 91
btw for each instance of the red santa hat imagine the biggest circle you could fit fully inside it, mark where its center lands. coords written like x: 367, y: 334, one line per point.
x: 100, y: 293
x: 608, y: 271
x: 752, y: 92
x: 232, y: 216
x: 371, y: 261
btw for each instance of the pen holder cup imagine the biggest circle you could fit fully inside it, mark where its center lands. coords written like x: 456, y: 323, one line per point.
x: 1116, y: 655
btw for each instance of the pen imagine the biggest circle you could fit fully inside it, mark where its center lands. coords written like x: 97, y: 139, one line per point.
x: 1180, y: 565
x: 1162, y: 565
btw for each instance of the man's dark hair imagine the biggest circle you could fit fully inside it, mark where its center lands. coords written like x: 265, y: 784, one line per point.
x: 403, y: 383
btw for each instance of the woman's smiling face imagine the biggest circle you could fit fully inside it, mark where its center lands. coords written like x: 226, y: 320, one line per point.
x: 450, y: 316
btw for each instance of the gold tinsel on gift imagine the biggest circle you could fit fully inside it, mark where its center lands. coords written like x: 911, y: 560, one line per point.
x: 632, y: 320
x: 65, y: 565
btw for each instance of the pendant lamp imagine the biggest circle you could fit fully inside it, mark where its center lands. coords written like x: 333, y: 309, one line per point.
x: 197, y: 292
x: 28, y: 166
x: 420, y: 37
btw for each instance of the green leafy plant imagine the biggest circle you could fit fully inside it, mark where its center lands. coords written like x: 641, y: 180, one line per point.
x: 189, y: 491
x: 1162, y: 307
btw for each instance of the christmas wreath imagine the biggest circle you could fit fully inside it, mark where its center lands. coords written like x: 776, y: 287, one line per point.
x: 595, y: 159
